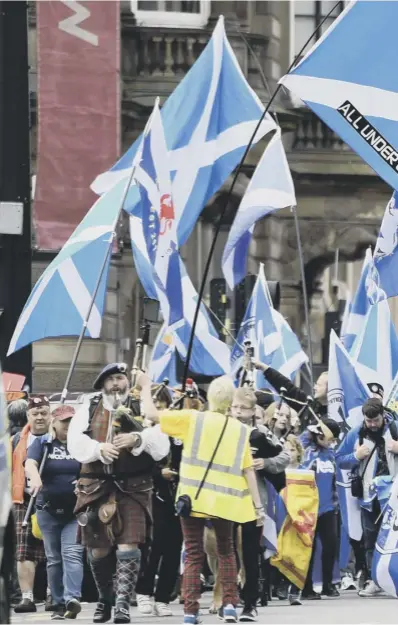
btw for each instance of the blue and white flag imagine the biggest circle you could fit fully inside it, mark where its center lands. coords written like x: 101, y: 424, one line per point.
x: 258, y: 327
x: 289, y: 357
x: 385, y: 556
x: 208, y: 121
x: 152, y: 175
x: 210, y: 356
x: 61, y: 298
x: 346, y: 395
x: 375, y: 351
x: 359, y: 307
x: 348, y: 79
x: 270, y: 189
x: 382, y: 281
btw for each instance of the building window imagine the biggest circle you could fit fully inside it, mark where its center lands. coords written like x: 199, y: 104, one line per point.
x: 308, y: 14
x: 171, y: 13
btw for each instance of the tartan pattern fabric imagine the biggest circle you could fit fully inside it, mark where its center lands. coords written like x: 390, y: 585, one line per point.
x: 193, y: 530
x: 28, y: 547
x: 135, y: 523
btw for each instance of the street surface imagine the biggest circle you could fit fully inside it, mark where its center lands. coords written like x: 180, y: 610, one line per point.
x: 349, y: 608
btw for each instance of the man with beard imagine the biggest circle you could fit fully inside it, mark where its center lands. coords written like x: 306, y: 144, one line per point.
x: 371, y: 452
x: 114, y: 490
x: 270, y: 461
x: 30, y: 550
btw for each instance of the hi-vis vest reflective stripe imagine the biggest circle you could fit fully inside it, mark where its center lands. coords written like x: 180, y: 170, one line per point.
x: 224, y: 494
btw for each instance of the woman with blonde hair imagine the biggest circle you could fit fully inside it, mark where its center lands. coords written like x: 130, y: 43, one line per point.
x: 281, y: 418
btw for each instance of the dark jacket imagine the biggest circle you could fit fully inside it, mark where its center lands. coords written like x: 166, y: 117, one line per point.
x: 294, y: 395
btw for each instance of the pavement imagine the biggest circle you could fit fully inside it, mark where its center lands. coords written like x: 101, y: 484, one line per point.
x: 349, y: 608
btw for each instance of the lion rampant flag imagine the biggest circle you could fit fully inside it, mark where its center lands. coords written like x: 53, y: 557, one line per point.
x: 296, y: 536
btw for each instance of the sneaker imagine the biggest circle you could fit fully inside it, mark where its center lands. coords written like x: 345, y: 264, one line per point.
x: 191, y: 619
x: 294, y: 596
x: 72, y: 609
x: 360, y: 579
x: 58, y: 613
x: 144, y: 604
x: 249, y: 615
x: 162, y: 609
x: 24, y: 606
x: 230, y: 614
x: 330, y: 591
x: 311, y: 596
x: 281, y: 592
x: 371, y: 590
x: 348, y: 582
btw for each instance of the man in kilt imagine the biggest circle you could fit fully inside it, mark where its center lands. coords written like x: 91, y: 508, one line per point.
x: 114, y: 490
x: 30, y: 550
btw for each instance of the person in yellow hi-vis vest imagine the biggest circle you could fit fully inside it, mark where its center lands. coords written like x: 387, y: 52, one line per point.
x: 217, y: 482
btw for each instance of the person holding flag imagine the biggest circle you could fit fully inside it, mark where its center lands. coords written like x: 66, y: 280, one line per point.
x: 370, y: 451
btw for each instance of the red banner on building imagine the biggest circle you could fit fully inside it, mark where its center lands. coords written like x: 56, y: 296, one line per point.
x: 78, y: 61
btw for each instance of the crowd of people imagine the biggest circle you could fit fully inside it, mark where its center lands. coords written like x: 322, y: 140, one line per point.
x: 157, y: 489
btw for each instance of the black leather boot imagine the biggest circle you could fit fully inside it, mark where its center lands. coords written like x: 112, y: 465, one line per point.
x: 103, y: 612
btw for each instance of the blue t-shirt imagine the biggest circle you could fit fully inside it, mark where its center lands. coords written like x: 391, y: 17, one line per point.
x: 322, y: 461
x: 60, y: 472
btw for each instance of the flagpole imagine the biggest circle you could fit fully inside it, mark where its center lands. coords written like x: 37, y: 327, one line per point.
x: 228, y: 197
x: 95, y: 292
x: 305, y: 294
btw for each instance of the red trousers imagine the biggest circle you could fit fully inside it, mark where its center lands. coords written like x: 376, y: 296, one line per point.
x: 193, y: 530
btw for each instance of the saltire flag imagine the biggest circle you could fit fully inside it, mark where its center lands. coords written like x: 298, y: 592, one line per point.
x: 346, y: 396
x: 60, y: 300
x: 208, y: 121
x: 289, y: 357
x: 270, y: 189
x: 210, y: 356
x: 375, y: 351
x: 152, y: 175
x: 270, y: 530
x: 382, y: 281
x: 385, y: 556
x: 353, y: 86
x: 258, y: 327
x: 359, y: 307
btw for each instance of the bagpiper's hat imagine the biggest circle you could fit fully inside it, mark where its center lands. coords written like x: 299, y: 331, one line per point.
x: 37, y: 401
x: 376, y: 388
x: 112, y: 369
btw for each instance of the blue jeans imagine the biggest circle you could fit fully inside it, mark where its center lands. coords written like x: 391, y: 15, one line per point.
x: 64, y: 557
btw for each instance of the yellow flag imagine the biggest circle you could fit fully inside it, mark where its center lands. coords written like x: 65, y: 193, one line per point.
x: 297, y: 532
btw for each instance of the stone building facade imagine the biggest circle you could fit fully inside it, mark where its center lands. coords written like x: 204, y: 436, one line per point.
x: 340, y: 200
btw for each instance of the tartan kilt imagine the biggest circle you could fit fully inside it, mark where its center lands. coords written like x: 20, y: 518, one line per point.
x: 28, y: 547
x: 136, y: 522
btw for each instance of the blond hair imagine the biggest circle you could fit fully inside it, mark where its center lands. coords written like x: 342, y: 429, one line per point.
x: 296, y: 444
x: 220, y: 394
x: 270, y: 418
x: 245, y: 395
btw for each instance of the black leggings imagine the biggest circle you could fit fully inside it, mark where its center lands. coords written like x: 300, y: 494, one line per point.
x: 326, y: 529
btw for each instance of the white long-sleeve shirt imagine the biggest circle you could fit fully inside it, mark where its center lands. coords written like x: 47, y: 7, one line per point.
x: 85, y: 449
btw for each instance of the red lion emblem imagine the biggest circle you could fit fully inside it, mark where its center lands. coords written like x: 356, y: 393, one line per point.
x: 166, y: 215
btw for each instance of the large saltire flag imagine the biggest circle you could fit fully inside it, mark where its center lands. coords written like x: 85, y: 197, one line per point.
x: 375, y: 351
x: 360, y: 305
x: 210, y: 356
x: 258, y: 327
x: 208, y: 121
x: 385, y: 556
x: 270, y: 189
x: 296, y: 536
x: 382, y: 280
x: 348, y: 79
x: 60, y: 300
x: 289, y: 357
x: 346, y: 396
x: 152, y: 175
